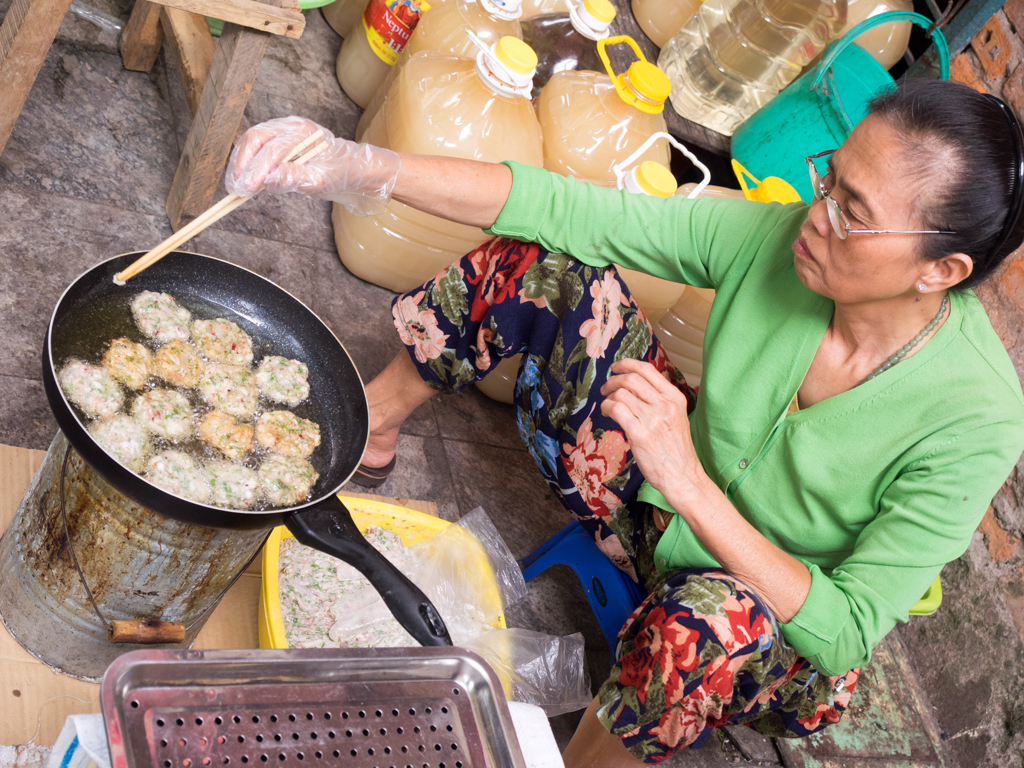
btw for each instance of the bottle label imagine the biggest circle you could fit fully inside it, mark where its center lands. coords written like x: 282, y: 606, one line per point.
x: 389, y: 25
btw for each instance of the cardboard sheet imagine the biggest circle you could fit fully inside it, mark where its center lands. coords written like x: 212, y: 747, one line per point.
x: 34, y: 700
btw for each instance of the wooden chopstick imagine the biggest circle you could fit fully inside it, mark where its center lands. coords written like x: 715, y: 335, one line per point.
x: 213, y: 214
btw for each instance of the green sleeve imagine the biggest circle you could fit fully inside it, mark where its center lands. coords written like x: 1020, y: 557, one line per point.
x: 926, y: 518
x: 697, y: 242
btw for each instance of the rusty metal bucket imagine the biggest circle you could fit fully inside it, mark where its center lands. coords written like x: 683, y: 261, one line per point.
x: 138, y: 565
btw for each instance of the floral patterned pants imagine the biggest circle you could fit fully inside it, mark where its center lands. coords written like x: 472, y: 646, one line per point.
x: 702, y: 650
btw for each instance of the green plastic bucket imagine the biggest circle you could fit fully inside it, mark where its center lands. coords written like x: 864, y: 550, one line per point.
x: 819, y: 110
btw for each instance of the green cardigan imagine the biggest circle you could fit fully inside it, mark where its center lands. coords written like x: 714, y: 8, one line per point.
x: 875, y: 489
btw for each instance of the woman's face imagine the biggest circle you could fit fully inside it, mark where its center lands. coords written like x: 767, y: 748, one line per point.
x: 875, y: 190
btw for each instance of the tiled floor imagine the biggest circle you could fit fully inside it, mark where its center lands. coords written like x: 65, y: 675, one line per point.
x: 85, y: 176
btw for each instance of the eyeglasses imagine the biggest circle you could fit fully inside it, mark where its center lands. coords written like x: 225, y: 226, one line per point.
x: 835, y: 214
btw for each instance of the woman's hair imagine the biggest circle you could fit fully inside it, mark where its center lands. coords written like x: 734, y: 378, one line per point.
x: 964, y: 143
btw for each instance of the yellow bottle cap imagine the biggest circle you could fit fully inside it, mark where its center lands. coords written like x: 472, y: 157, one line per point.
x: 655, y: 179
x: 516, y: 55
x: 774, y: 190
x: 602, y: 10
x: 649, y: 86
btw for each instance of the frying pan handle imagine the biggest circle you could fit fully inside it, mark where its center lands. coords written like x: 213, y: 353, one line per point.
x: 328, y: 527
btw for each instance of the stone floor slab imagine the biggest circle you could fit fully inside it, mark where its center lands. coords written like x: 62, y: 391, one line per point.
x: 25, y: 417
x: 888, y: 723
x: 471, y: 416
x: 93, y: 130
x: 422, y: 472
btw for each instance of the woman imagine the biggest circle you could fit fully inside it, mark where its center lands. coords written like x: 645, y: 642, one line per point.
x: 856, y: 416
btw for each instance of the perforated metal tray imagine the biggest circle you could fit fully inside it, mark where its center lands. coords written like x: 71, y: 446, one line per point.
x: 372, y: 708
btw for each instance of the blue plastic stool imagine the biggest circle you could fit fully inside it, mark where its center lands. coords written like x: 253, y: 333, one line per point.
x: 612, y: 594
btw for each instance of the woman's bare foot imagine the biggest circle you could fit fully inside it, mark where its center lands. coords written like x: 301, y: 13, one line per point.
x: 392, y: 396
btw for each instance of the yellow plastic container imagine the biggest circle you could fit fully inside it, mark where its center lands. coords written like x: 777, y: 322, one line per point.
x: 411, y: 526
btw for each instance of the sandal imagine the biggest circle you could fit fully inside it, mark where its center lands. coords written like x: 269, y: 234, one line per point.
x: 373, y: 477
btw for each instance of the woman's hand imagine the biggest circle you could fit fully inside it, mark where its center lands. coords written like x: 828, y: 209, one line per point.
x: 358, y: 176
x: 652, y: 413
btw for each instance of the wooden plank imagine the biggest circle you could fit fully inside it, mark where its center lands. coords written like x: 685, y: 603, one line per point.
x: 189, y: 38
x: 277, y: 19
x: 37, y: 699
x: 25, y: 38
x: 216, y: 122
x: 142, y: 37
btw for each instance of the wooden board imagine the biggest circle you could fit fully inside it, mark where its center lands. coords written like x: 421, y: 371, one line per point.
x: 188, y: 37
x: 35, y: 700
x: 142, y: 37
x: 25, y: 38
x: 276, y: 18
x: 215, y: 125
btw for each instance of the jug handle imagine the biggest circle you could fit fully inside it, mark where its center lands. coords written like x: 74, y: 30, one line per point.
x: 836, y: 48
x: 619, y: 81
x: 619, y: 169
x: 603, y: 44
x: 741, y: 172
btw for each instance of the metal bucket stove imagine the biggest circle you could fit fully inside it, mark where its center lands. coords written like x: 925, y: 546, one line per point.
x: 79, y: 557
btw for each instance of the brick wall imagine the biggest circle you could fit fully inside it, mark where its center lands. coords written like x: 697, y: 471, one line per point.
x: 970, y: 655
x: 994, y: 63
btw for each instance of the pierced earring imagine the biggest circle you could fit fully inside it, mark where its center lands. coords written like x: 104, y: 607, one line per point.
x: 922, y: 287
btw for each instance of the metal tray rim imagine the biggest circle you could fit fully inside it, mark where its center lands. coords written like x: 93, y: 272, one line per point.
x: 215, y: 667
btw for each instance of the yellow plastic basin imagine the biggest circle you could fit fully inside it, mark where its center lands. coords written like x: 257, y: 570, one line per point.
x: 411, y: 526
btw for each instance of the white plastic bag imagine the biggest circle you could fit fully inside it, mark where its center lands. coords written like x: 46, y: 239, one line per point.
x: 545, y: 670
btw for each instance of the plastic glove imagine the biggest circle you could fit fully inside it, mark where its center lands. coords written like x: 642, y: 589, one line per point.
x: 358, y: 176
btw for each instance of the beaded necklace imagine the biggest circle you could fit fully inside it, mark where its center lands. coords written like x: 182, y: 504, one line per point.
x: 903, y: 351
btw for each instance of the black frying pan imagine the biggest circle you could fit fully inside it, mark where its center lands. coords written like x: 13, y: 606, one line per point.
x: 94, y: 310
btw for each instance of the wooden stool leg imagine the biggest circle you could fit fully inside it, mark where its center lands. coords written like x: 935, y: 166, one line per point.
x: 216, y: 122
x: 25, y: 38
x: 188, y: 37
x: 142, y: 37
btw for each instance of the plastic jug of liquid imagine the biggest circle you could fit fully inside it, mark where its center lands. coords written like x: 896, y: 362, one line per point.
x: 568, y: 41
x: 733, y: 56
x: 681, y: 329
x: 662, y: 19
x: 886, y: 43
x: 655, y: 295
x: 591, y: 120
x: 533, y: 8
x: 443, y: 30
x: 440, y: 105
x: 367, y: 54
x: 344, y: 15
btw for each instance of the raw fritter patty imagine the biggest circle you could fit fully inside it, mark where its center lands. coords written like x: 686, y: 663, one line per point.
x: 123, y: 438
x: 229, y: 388
x: 226, y: 434
x: 178, y: 364
x: 128, y: 362
x: 164, y: 412
x: 286, y: 480
x: 159, y: 316
x: 91, y: 388
x: 232, y: 485
x: 284, y: 432
x: 221, y: 341
x: 283, y: 380
x: 177, y: 473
